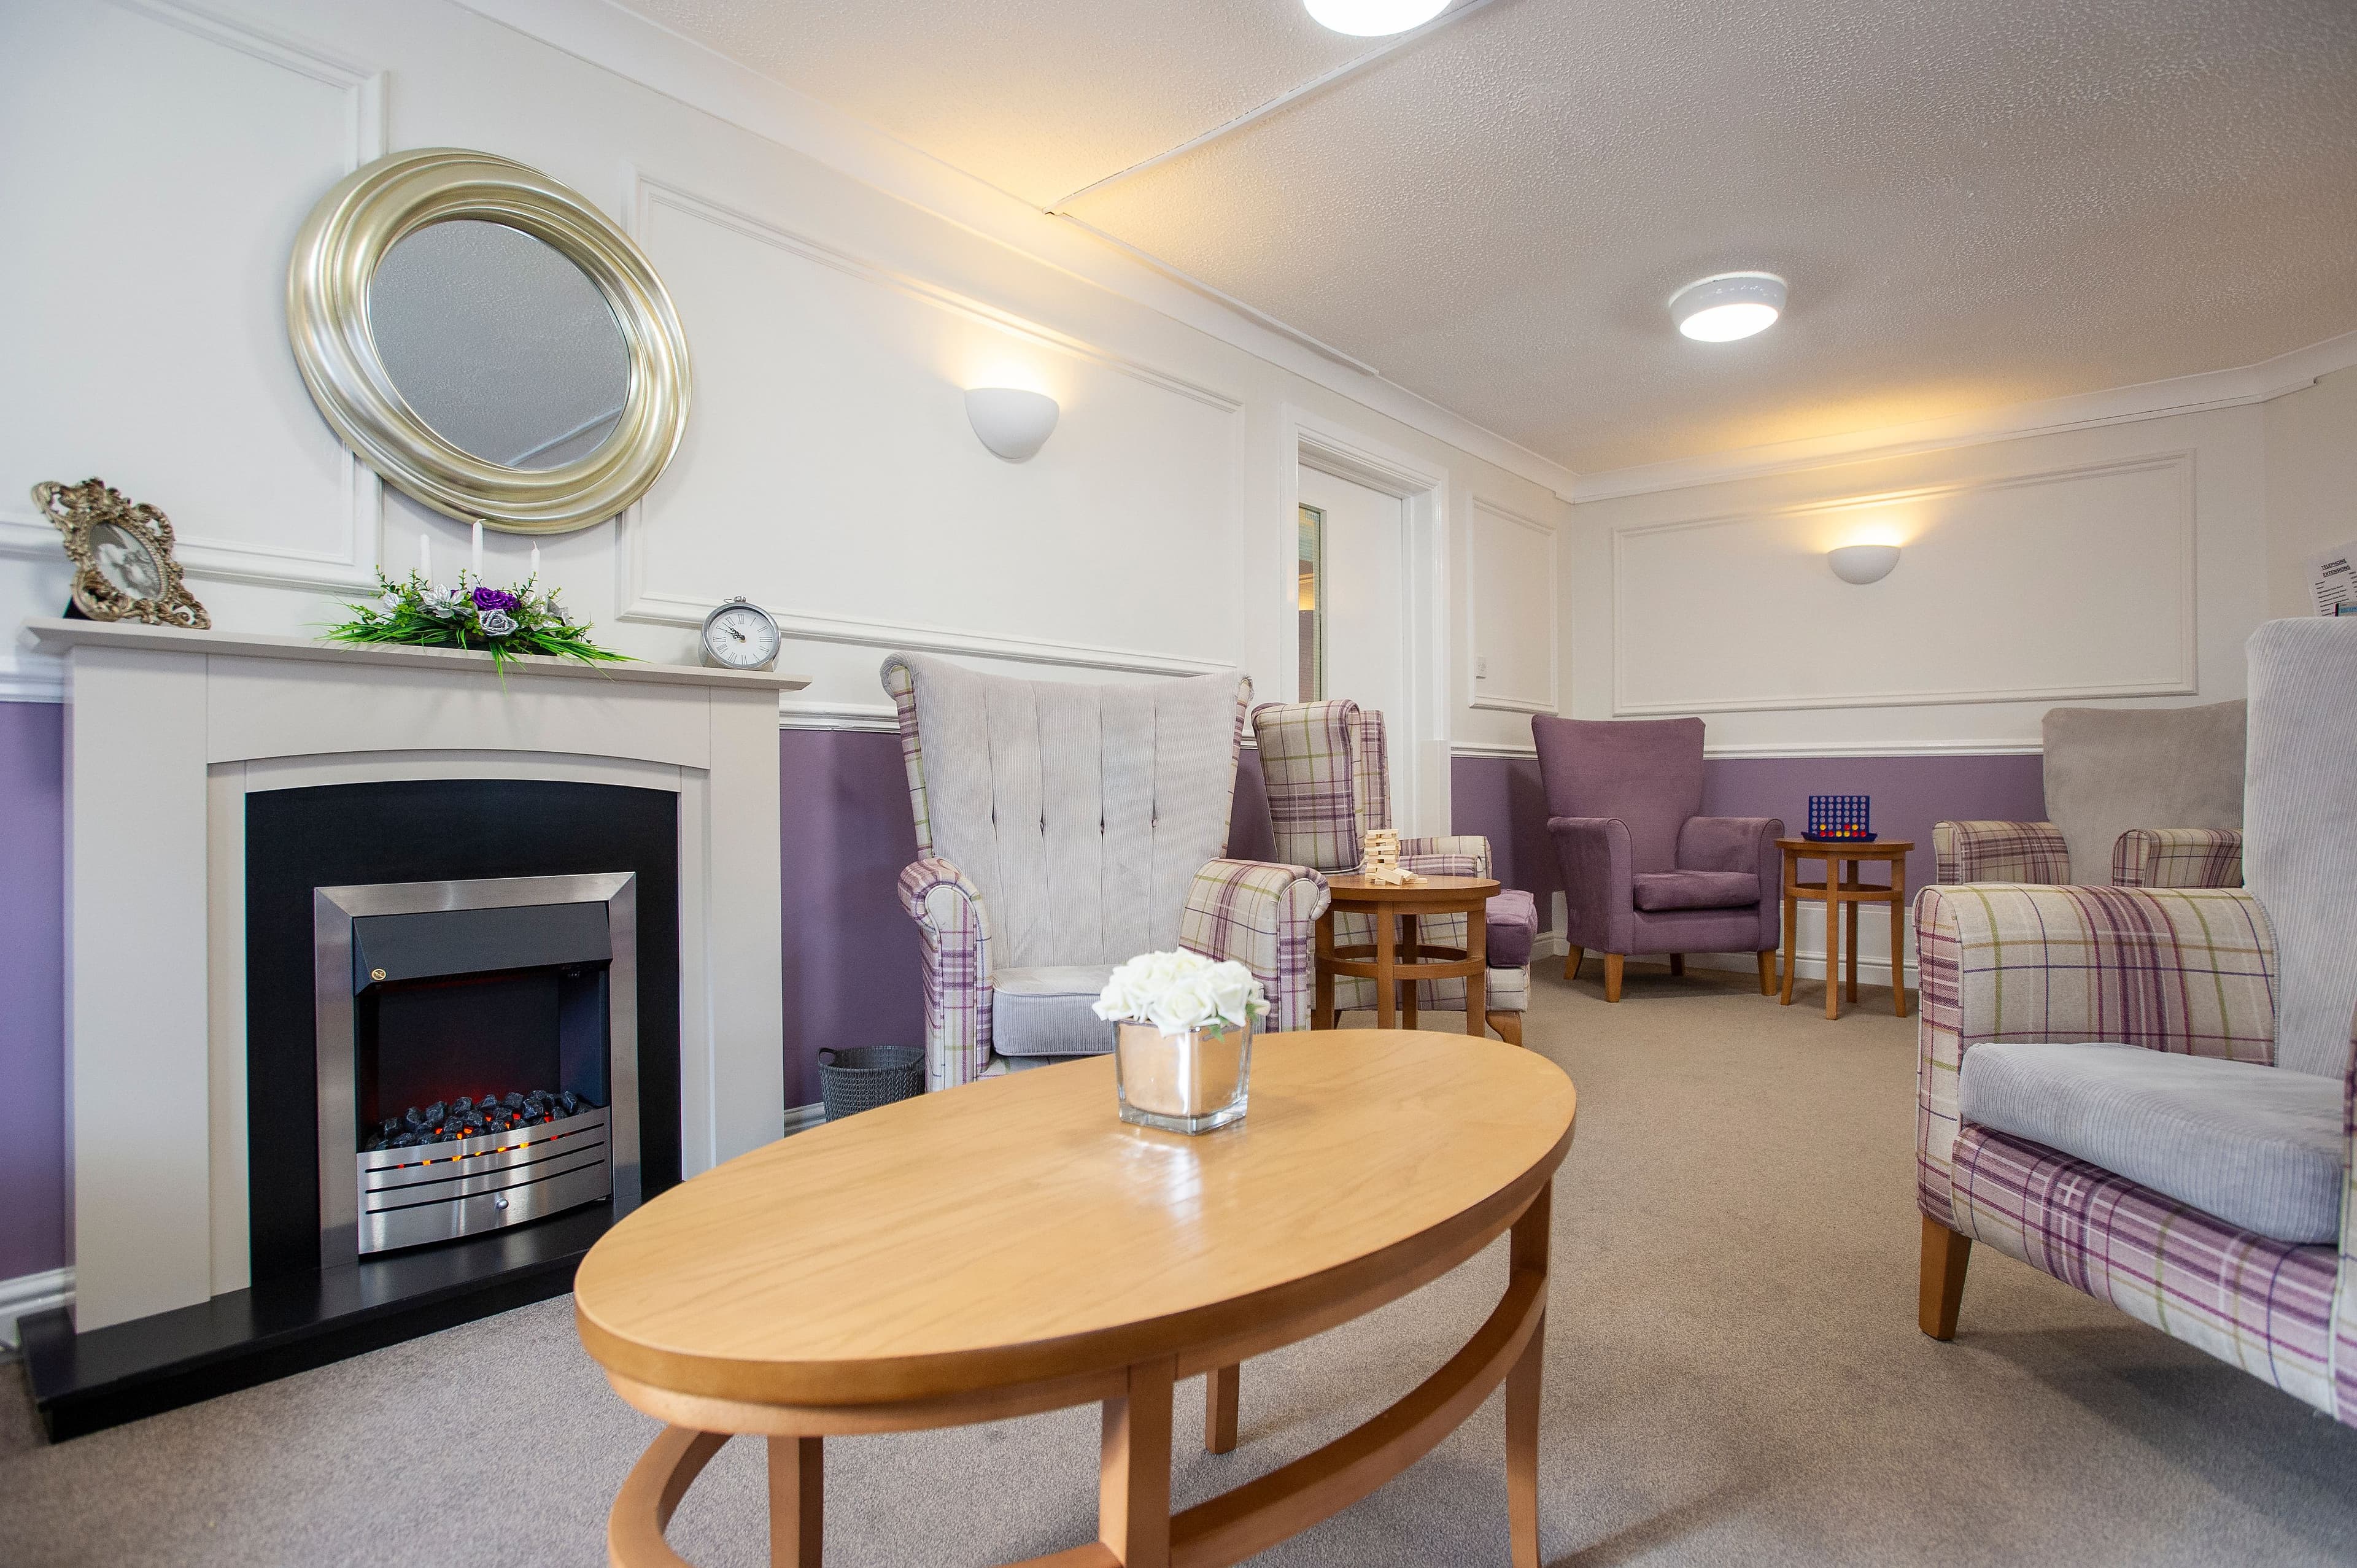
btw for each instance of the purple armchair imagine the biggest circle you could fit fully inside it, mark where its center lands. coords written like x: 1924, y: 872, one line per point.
x: 1643, y: 871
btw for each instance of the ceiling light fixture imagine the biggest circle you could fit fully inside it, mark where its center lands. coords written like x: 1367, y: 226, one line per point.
x: 1730, y: 306
x: 1373, y: 18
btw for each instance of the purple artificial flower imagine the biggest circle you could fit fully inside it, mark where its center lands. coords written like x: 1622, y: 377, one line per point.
x: 494, y: 599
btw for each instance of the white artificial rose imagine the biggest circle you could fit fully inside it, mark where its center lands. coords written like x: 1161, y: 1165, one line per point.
x: 1185, y: 1004
x: 1233, y: 990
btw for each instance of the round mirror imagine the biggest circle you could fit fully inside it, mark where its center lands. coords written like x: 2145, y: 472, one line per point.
x: 488, y: 341
x: 501, y: 344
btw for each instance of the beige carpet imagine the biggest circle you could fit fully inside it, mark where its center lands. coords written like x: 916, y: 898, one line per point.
x: 1733, y: 1376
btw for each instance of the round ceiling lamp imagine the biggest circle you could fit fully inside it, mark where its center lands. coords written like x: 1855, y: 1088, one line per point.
x: 1373, y: 18
x: 1730, y: 306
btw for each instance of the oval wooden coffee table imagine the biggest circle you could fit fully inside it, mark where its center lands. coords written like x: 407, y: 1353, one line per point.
x: 1013, y: 1247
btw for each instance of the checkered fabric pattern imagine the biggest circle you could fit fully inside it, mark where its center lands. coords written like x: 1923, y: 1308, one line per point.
x: 2177, y: 857
x: 2344, y: 1294
x: 1309, y: 761
x: 1264, y: 917
x: 2263, y: 1306
x: 1998, y: 851
x: 955, y: 932
x: 1371, y: 775
x: 901, y: 685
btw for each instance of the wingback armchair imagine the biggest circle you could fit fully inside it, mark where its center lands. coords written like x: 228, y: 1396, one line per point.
x: 1643, y: 870
x: 2151, y: 1093
x: 1063, y: 828
x: 1328, y: 778
x: 2112, y: 775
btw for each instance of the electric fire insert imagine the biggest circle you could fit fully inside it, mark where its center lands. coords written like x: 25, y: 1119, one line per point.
x: 477, y: 1055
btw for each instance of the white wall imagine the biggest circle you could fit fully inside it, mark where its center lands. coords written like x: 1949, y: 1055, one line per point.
x: 2312, y: 443
x: 827, y: 471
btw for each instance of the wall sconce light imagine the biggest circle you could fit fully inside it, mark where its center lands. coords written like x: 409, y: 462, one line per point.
x: 1011, y: 422
x: 1863, y: 563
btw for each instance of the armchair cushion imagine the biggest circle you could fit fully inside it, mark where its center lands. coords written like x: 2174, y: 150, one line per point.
x: 1998, y: 851
x: 1513, y: 926
x: 1047, y: 1011
x: 1697, y: 890
x: 2257, y: 1146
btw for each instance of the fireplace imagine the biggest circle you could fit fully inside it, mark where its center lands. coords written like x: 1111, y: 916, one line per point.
x: 478, y: 1060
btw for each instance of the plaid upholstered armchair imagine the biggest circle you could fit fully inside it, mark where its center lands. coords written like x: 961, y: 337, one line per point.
x: 2151, y: 1093
x: 1328, y: 778
x: 1063, y: 828
x: 2109, y: 772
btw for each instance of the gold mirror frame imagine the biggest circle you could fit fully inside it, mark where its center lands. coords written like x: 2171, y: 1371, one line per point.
x: 336, y: 256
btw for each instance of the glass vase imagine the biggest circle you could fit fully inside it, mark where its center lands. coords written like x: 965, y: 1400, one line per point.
x: 1182, y: 1083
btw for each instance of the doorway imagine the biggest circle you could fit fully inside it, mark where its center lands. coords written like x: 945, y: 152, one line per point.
x: 1352, y: 590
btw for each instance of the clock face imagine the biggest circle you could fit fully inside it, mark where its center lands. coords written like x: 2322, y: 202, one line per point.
x: 741, y: 636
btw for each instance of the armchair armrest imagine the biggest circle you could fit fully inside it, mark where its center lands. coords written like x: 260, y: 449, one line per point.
x: 1598, y: 883
x: 2177, y: 857
x: 1458, y: 855
x: 1263, y: 916
x: 1998, y: 851
x: 956, y: 931
x: 2181, y: 970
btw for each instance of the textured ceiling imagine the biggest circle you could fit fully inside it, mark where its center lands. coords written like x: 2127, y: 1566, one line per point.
x: 1977, y: 204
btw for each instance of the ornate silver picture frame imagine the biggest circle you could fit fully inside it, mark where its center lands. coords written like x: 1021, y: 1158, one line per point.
x: 121, y: 554
x: 337, y: 254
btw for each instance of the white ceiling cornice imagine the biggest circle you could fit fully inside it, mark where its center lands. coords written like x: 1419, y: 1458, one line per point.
x: 2151, y: 400
x: 639, y: 50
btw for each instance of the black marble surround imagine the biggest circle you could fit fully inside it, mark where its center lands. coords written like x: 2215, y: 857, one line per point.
x: 294, y: 1315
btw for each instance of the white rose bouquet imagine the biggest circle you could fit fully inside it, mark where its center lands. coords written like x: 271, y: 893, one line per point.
x: 1177, y: 992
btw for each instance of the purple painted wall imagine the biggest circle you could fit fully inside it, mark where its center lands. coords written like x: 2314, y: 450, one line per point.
x: 32, y: 988
x: 851, y: 955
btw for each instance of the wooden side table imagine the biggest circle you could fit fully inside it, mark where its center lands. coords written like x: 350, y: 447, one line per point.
x: 1391, y: 960
x: 1841, y: 893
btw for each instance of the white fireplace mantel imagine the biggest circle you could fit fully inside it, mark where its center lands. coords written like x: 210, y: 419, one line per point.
x: 167, y: 733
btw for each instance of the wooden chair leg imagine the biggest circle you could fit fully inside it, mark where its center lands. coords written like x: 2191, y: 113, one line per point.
x: 1677, y: 963
x: 1945, y: 1253
x: 1571, y: 963
x: 1612, y: 964
x: 1508, y: 1026
x: 1223, y: 1392
x: 1767, y: 972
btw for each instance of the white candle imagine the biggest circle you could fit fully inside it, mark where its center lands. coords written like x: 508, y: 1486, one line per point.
x: 426, y: 556
x: 478, y: 553
x: 535, y: 563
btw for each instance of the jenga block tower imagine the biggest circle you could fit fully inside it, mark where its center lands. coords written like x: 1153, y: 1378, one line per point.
x: 1382, y: 866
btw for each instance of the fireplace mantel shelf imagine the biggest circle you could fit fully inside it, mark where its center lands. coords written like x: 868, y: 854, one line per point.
x: 55, y: 636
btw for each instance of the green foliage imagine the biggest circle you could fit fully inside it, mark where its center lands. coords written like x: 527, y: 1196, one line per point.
x: 502, y: 623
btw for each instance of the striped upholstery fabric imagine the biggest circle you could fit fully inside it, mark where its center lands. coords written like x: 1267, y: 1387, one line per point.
x: 956, y: 934
x: 2177, y: 857
x: 2264, y: 1306
x: 1998, y: 851
x: 1371, y: 775
x: 1265, y: 918
x: 2178, y: 970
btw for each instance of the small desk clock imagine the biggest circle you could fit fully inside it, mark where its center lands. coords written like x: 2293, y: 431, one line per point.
x: 740, y: 635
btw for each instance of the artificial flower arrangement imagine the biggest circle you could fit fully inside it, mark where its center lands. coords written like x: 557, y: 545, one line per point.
x: 501, y: 622
x: 1182, y: 991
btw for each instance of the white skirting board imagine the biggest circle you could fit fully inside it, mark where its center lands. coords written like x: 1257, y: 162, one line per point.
x: 28, y: 1294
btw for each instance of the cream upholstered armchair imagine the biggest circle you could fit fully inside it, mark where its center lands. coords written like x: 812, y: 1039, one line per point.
x: 2112, y: 778
x: 2151, y: 1093
x: 1328, y: 778
x: 1063, y: 828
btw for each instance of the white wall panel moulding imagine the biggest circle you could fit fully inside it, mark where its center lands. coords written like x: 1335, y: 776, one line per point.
x: 871, y: 718
x: 1491, y: 749
x: 2151, y: 400
x: 29, y: 1293
x: 1854, y: 749
x: 1762, y: 627
x: 1513, y: 596
x: 638, y: 50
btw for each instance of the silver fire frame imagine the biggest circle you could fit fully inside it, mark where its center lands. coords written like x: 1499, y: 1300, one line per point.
x: 333, y: 910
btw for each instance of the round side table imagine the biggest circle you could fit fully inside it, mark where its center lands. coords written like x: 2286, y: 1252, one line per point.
x: 1841, y: 893
x: 1398, y: 956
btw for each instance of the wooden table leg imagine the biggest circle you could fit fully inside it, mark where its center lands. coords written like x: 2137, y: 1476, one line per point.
x: 1411, y: 948
x: 1321, y: 1003
x: 1833, y: 941
x: 1791, y: 923
x: 1529, y: 1251
x: 797, y: 1514
x: 1899, y: 936
x: 1223, y: 1392
x: 1386, y: 982
x: 1134, y: 1469
x: 1850, y: 936
x: 1476, y: 984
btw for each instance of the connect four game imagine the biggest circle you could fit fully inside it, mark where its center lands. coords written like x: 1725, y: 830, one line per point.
x: 1841, y: 817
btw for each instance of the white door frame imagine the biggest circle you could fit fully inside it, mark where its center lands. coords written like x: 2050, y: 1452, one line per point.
x: 1420, y: 737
